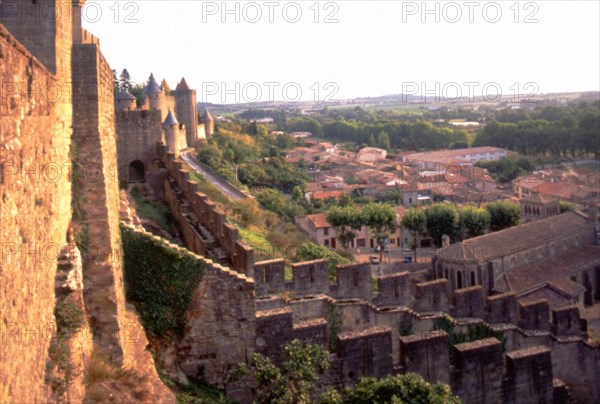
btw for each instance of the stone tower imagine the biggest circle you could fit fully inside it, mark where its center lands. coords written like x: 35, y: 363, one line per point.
x: 171, y: 128
x: 154, y: 96
x: 125, y: 101
x: 165, y: 87
x: 187, y: 110
x: 209, y: 123
x: 45, y: 28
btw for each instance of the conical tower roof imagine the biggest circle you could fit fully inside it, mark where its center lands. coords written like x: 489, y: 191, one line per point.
x: 125, y: 95
x: 170, y: 120
x: 182, y: 86
x: 165, y: 86
x: 207, y: 116
x: 152, y: 87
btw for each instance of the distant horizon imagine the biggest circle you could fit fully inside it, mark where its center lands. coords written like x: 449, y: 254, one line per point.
x: 427, y: 101
x: 318, y: 51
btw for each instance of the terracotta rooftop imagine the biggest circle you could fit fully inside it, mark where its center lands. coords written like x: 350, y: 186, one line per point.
x: 319, y: 220
x: 312, y: 187
x: 326, y: 194
x: 517, y: 238
x: 560, y: 189
x: 554, y: 272
x: 538, y: 198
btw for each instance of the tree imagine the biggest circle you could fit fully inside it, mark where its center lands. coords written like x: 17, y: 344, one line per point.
x: 115, y: 81
x: 475, y: 221
x: 249, y: 212
x: 566, y: 206
x: 415, y: 222
x: 344, y: 200
x: 442, y: 219
x: 297, y: 194
x: 346, y: 221
x: 383, y: 140
x: 381, y: 218
x: 279, y: 203
x: 125, y: 81
x: 503, y: 214
x: 211, y: 155
x: 371, y: 140
x: 293, y: 382
x: 138, y: 92
x: 313, y: 251
x: 407, y: 388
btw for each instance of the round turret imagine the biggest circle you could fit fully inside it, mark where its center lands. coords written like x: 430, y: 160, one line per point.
x: 154, y: 94
x: 171, y: 128
x: 209, y: 123
x: 126, y: 101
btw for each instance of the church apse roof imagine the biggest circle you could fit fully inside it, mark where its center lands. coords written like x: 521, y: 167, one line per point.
x: 517, y: 238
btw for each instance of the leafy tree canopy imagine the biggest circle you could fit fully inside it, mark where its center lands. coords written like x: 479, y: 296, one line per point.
x: 503, y: 214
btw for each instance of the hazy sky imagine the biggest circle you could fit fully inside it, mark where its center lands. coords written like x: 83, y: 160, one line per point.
x: 353, y: 48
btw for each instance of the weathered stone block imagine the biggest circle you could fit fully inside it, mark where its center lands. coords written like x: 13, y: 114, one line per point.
x: 394, y: 290
x: 534, y: 315
x: 354, y: 281
x: 478, y: 368
x: 310, y: 277
x: 566, y: 321
x: 426, y: 355
x: 468, y: 302
x: 529, y: 376
x: 365, y: 353
x: 269, y: 277
x: 501, y: 308
x: 432, y: 295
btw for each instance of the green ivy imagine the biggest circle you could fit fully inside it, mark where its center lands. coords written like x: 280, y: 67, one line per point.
x: 335, y: 327
x: 406, y: 327
x: 474, y: 332
x: 159, y: 281
x: 69, y: 316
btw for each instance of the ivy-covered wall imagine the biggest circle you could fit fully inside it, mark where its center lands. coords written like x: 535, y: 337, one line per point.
x: 159, y: 280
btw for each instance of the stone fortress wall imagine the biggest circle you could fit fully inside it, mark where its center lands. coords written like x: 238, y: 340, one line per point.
x: 141, y: 129
x: 234, y: 312
x: 536, y: 362
x: 35, y: 135
x: 57, y: 152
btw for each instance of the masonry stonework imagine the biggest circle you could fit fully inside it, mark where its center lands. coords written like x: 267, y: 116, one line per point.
x: 35, y: 138
x: 51, y: 117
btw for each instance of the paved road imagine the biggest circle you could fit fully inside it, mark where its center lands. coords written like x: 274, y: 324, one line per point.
x: 226, y: 188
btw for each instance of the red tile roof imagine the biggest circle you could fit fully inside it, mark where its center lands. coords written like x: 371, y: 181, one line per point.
x: 326, y: 194
x: 514, y: 239
x: 319, y: 220
x: 560, y: 189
